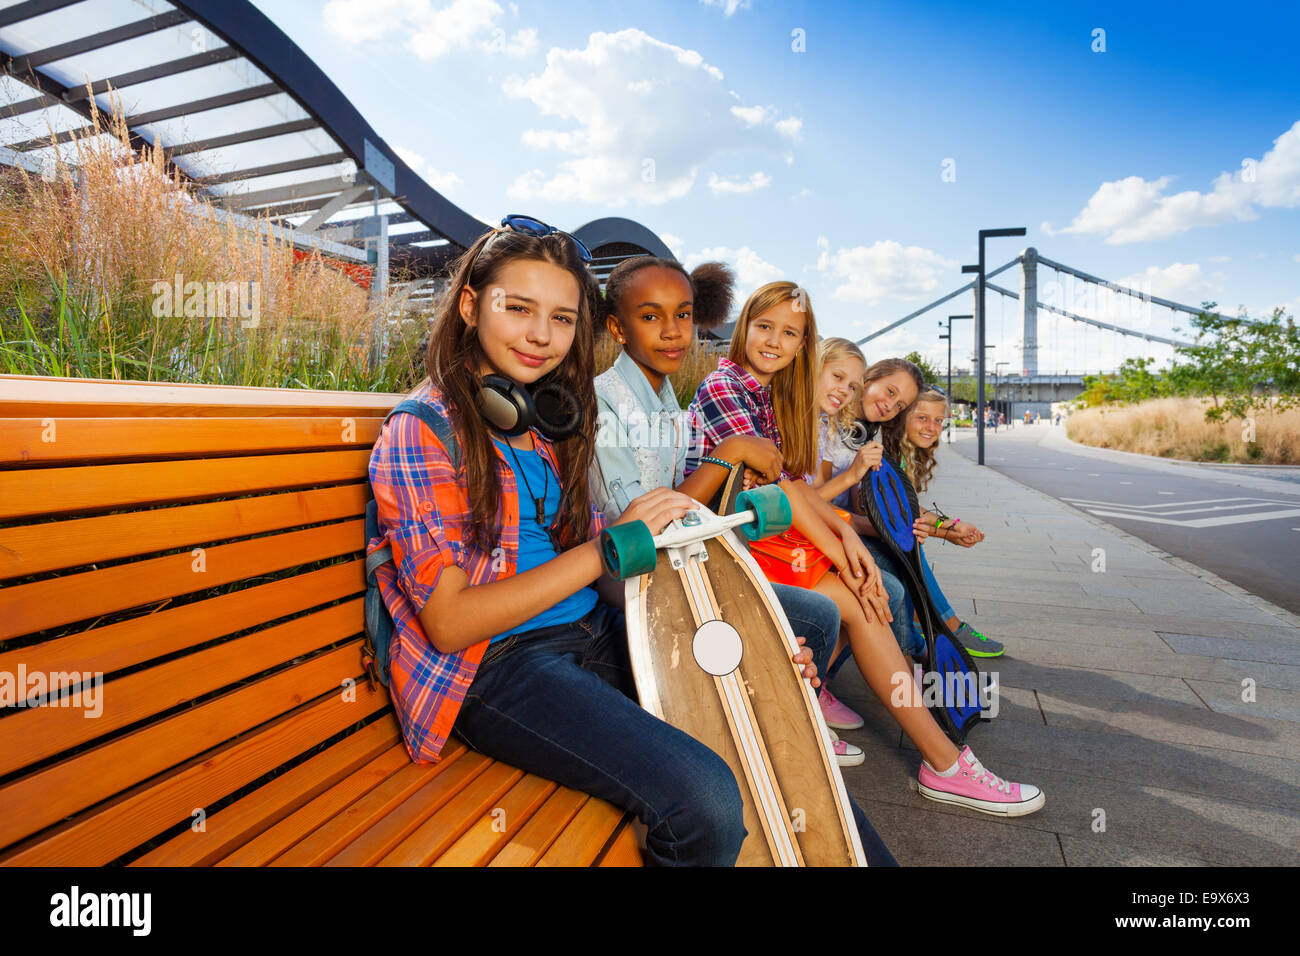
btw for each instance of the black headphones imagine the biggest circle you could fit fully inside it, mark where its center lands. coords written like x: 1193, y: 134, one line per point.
x: 512, y: 409
x: 860, y: 432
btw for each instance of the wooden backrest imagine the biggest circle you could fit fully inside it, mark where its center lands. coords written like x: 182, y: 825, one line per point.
x: 186, y: 562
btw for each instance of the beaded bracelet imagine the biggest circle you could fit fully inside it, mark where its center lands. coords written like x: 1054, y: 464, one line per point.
x: 717, y: 461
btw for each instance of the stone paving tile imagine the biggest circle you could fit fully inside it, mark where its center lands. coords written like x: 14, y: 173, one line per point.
x: 1216, y: 606
x: 1226, y: 698
x: 1084, y: 851
x: 1122, y: 659
x: 1237, y: 649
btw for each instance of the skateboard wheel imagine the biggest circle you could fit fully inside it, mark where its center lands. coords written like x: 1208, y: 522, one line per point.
x: 628, y: 550
x: 771, y: 510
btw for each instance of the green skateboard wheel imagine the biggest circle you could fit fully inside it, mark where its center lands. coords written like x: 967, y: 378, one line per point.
x: 771, y: 510
x: 628, y: 550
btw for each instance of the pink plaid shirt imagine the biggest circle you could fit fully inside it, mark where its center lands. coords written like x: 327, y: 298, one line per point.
x: 424, y: 511
x: 728, y: 402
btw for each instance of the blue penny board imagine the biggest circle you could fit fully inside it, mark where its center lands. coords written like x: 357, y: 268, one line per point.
x: 890, y: 503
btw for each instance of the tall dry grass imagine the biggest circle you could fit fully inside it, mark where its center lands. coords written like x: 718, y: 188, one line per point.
x: 82, y: 248
x: 1176, y: 428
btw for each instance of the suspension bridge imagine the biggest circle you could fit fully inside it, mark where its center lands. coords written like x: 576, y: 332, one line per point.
x: 1070, y: 293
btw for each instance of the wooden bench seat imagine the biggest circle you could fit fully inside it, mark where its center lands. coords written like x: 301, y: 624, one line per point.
x: 188, y: 560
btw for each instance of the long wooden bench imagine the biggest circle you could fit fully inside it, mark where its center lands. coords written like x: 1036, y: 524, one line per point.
x: 201, y: 547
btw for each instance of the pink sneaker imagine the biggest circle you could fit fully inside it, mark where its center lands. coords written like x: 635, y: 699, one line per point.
x: 847, y: 755
x: 968, y: 784
x: 836, y: 713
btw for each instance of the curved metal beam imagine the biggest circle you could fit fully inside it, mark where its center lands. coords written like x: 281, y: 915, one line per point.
x: 602, y: 232
x: 249, y: 30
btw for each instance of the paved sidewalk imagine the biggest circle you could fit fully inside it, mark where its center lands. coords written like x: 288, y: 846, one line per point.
x: 1121, y: 695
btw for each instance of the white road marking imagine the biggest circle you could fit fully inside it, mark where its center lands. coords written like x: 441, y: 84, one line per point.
x: 1200, y: 522
x: 1164, y: 492
x: 1174, y: 504
x: 1093, y: 474
x: 1126, y: 482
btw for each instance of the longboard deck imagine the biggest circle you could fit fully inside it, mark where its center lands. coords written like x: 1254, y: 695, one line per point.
x: 786, y: 736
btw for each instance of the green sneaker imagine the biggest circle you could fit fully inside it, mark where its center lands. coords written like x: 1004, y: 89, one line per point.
x: 976, y: 644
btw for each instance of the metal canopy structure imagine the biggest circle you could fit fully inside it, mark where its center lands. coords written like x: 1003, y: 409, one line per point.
x: 243, y: 115
x: 239, y: 110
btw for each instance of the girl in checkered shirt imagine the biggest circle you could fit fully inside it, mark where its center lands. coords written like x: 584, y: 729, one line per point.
x: 768, y: 387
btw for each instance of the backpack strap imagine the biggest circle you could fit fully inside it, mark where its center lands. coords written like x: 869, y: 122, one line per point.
x: 440, y: 427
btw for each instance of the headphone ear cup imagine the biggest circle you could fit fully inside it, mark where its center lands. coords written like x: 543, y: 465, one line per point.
x: 559, y: 413
x: 505, y: 405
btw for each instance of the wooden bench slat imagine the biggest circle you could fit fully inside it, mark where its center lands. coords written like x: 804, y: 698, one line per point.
x: 624, y: 850
x: 583, y: 839
x: 36, y: 733
x: 277, y: 840
x: 33, y: 396
x: 246, y: 821
x: 541, y: 830
x: 26, y: 440
x: 26, y: 608
x: 441, y: 830
x: 53, y: 545
x: 105, y: 833
x: 126, y: 643
x: 48, y: 795
x: 372, y: 834
x: 31, y: 492
x: 485, y: 836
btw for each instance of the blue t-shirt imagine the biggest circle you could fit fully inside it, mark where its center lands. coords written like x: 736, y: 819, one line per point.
x: 535, y: 546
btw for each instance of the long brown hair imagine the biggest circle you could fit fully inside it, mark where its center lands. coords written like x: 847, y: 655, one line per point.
x: 920, y: 462
x: 794, y: 388
x: 452, y: 360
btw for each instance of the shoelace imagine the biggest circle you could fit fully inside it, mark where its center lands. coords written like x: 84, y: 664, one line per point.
x: 980, y: 775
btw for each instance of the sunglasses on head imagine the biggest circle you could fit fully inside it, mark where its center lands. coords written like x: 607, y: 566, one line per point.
x: 529, y: 226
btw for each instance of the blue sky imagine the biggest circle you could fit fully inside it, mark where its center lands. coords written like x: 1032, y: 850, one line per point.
x: 863, y: 164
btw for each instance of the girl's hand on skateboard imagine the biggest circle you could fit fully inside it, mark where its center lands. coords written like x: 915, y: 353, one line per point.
x: 922, y: 529
x: 867, y: 459
x: 657, y: 508
x: 803, y: 658
x: 750, y: 479
x: 759, y: 454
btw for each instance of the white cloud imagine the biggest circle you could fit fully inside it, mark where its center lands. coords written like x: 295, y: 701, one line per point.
x: 728, y: 6
x: 1296, y: 257
x: 802, y: 194
x: 752, y: 270
x: 638, y: 117
x: 1229, y: 259
x: 428, y: 31
x: 885, y: 270
x: 674, y: 243
x: 1135, y: 209
x: 439, y: 180
x: 756, y: 181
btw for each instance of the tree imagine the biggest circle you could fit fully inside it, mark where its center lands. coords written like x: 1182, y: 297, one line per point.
x: 932, y: 376
x: 1241, y: 364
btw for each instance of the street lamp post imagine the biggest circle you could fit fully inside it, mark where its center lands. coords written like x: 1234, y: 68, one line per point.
x: 979, y: 321
x: 948, y: 336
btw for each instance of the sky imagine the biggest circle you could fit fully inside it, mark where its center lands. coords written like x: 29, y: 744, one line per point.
x: 857, y: 148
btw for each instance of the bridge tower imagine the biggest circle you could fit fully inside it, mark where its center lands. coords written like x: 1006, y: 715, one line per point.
x: 1029, y: 308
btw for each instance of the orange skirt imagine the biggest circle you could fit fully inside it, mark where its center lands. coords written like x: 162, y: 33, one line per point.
x: 790, y: 558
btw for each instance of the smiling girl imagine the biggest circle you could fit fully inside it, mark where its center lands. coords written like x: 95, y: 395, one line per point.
x: 913, y: 445
x: 653, y: 307
x: 768, y: 387
x: 499, y: 632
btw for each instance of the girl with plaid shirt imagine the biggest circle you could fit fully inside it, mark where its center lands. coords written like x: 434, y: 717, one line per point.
x: 768, y: 387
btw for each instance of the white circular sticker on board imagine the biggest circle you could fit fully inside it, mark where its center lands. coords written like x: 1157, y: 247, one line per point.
x: 717, y: 648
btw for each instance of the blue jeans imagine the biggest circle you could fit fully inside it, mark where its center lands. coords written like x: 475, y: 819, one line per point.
x: 560, y: 702
x: 941, y: 603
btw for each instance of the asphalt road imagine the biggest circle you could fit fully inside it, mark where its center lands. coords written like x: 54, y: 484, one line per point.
x: 1246, y: 536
